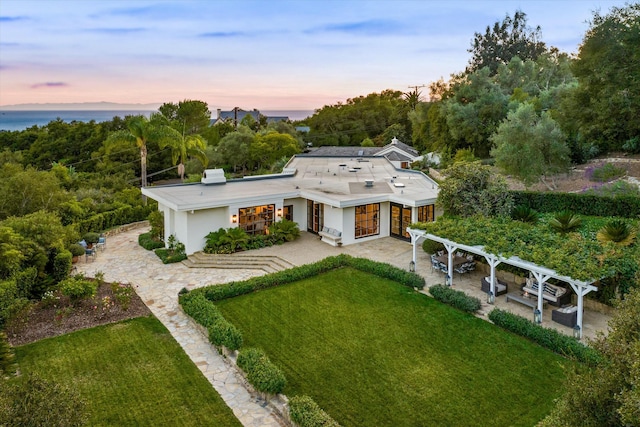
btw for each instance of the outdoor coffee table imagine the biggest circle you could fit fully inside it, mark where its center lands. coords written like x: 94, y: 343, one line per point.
x: 525, y: 300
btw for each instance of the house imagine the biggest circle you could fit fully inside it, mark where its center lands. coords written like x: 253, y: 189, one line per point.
x: 342, y: 199
x: 237, y: 114
x: 398, y: 153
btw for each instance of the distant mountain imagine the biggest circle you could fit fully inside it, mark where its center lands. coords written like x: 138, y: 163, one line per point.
x: 95, y: 106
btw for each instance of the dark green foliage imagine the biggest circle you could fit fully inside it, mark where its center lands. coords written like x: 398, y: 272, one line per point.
x: 221, y: 332
x: 148, y: 242
x: 233, y: 289
x: 263, y: 375
x: 10, y: 301
x: 91, y: 237
x: 525, y: 214
x: 113, y: 218
x: 76, y: 249
x: 584, y: 204
x: 77, y: 287
x: 61, y: 265
x: 306, y: 413
x: 454, y: 298
x: 548, y: 338
x: 618, y: 231
x: 156, y: 220
x: 168, y: 256
x: 565, y: 222
x: 284, y: 230
x: 34, y: 401
x: 8, y: 365
x: 431, y: 246
x: 604, y: 173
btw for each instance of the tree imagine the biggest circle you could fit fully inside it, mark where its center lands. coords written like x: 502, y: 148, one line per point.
x: 507, y: 39
x: 605, y: 104
x: 267, y: 148
x: 609, y: 394
x: 529, y: 146
x: 188, y: 117
x: 472, y: 189
x: 184, y: 146
x: 141, y: 131
x: 234, y: 147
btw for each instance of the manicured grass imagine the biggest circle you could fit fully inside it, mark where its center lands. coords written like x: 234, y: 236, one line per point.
x: 372, y: 352
x: 132, y: 373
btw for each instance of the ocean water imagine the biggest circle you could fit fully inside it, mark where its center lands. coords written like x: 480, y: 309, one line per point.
x: 21, y: 120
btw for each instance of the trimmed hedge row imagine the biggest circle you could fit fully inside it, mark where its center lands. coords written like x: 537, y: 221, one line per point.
x: 147, y: 241
x: 584, y: 204
x: 114, y: 218
x: 168, y: 256
x: 221, y: 331
x: 306, y: 413
x: 261, y: 373
x: 548, y: 338
x: 454, y: 298
x: 233, y: 289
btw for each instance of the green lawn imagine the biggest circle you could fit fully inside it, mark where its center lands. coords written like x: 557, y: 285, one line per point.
x: 374, y: 353
x: 131, y: 373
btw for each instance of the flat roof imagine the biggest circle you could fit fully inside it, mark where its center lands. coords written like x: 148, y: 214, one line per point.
x: 337, y: 181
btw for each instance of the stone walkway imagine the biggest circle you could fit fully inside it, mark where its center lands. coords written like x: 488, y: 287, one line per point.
x: 158, y: 286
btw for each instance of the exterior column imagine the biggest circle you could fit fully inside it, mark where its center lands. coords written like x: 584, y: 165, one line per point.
x: 451, y: 249
x: 493, y: 263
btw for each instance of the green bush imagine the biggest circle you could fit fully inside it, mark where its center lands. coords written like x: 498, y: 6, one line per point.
x: 148, y: 242
x: 91, y: 237
x: 76, y: 249
x: 204, y: 312
x: 156, y: 221
x: 8, y: 364
x: 263, y: 375
x: 62, y: 265
x: 548, y: 338
x: 431, y: 246
x: 223, y: 333
x: 582, y: 203
x: 77, y: 287
x: 168, y: 256
x: 306, y: 413
x: 454, y: 298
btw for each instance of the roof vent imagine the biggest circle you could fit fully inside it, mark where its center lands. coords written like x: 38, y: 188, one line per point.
x: 368, y: 183
x: 213, y: 176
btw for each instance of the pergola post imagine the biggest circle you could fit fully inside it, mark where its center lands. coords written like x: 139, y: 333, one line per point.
x: 581, y: 290
x: 493, y: 263
x: 451, y: 249
x: 541, y: 279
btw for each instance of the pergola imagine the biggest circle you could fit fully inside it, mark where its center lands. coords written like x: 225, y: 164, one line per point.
x: 540, y: 273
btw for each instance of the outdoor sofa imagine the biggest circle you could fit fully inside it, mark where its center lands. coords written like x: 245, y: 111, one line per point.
x: 555, y: 295
x: 567, y: 316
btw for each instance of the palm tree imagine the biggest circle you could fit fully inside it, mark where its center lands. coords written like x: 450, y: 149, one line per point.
x: 617, y: 231
x: 141, y: 131
x: 184, y: 146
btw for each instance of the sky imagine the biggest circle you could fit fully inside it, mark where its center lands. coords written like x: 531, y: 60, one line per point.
x: 269, y: 55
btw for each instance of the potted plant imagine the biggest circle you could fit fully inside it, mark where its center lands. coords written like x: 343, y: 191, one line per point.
x: 91, y: 239
x: 76, y: 251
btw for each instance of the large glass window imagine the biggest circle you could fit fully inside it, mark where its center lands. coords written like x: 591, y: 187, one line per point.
x: 315, y: 216
x: 367, y: 220
x: 425, y: 213
x: 287, y: 212
x: 256, y: 219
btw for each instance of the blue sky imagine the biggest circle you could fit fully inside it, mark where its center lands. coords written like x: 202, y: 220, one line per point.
x: 253, y: 54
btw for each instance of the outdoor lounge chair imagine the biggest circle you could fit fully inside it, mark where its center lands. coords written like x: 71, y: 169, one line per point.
x: 500, y: 288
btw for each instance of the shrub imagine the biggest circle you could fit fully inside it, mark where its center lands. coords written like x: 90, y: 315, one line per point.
x: 123, y: 294
x: 62, y: 265
x: 91, y: 237
x: 156, y: 221
x: 223, y: 333
x: 548, y: 338
x: 524, y: 214
x: 8, y: 365
x: 627, y: 206
x: 604, y: 172
x: 167, y: 256
x: 263, y: 375
x: 431, y: 246
x: 306, y: 413
x: 76, y: 249
x: 78, y: 287
x: 454, y: 298
x: 565, y: 222
x: 148, y: 242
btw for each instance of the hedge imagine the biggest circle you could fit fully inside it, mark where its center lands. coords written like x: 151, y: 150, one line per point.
x: 147, y: 241
x: 584, y: 204
x: 548, y: 338
x: 168, y: 256
x: 306, y: 413
x: 221, y: 331
x: 110, y: 219
x: 454, y: 298
x: 387, y: 271
x: 262, y: 374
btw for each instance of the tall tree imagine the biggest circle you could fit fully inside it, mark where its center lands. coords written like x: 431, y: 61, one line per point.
x: 184, y: 146
x: 141, y: 131
x: 188, y: 117
x: 505, y: 40
x: 606, y: 103
x: 529, y: 146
